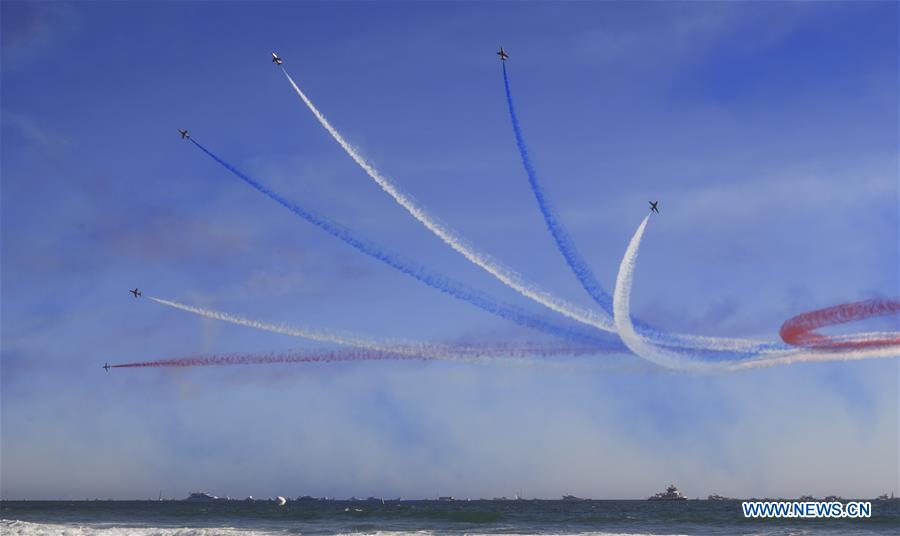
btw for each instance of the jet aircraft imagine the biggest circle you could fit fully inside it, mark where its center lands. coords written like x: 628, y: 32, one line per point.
x: 276, y: 60
x: 136, y: 292
x: 503, y: 55
x: 106, y: 367
x: 184, y: 133
x: 653, y: 206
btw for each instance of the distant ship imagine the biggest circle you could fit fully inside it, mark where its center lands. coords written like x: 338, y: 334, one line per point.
x: 203, y: 497
x: 717, y: 497
x: 671, y: 494
x: 572, y: 498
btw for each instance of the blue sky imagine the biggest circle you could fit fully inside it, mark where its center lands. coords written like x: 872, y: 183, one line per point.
x: 768, y: 131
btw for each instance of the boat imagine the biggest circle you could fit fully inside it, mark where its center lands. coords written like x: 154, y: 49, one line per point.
x: 572, y: 498
x: 200, y: 496
x: 717, y: 497
x: 671, y: 494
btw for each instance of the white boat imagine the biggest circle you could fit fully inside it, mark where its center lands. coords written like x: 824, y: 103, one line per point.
x: 200, y: 496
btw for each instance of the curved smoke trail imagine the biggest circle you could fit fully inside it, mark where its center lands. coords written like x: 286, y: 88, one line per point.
x: 622, y: 313
x: 670, y: 359
x: 506, y: 275
x: 395, y: 347
x: 430, y: 278
x: 566, y: 246
x: 563, y: 240
x: 343, y: 339
x: 801, y: 329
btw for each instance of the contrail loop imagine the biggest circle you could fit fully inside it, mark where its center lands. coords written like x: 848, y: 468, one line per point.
x: 801, y: 329
x: 667, y: 358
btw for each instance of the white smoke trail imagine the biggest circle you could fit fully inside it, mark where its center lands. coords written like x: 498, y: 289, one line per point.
x: 397, y: 347
x: 643, y: 347
x: 788, y: 357
x: 506, y: 275
x: 622, y: 313
x: 343, y: 339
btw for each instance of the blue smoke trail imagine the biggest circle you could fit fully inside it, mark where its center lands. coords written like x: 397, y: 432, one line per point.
x: 564, y: 242
x: 576, y: 262
x: 432, y: 279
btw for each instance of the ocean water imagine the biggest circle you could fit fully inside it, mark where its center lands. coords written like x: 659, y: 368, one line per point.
x: 170, y: 518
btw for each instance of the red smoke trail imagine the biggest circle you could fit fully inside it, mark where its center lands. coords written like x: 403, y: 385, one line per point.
x: 464, y: 353
x: 800, y: 330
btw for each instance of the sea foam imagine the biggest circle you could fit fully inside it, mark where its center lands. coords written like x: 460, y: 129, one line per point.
x: 25, y: 528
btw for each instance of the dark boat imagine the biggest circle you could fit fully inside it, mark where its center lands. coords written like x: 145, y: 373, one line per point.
x: 671, y: 494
